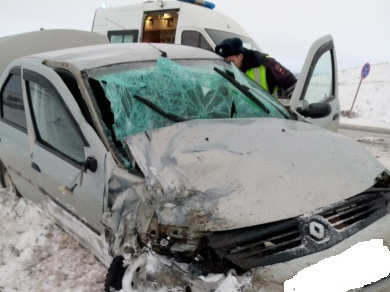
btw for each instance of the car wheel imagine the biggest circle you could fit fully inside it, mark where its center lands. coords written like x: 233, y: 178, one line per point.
x: 6, y: 181
x: 114, y: 275
x: 135, y: 278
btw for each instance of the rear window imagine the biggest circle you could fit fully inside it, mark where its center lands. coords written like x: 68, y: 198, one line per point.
x: 12, y: 106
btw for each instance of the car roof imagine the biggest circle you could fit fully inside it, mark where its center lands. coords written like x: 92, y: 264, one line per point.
x: 17, y: 46
x: 90, y: 57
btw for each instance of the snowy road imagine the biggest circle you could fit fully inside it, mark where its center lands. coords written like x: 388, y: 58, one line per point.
x: 36, y: 255
x: 376, y: 140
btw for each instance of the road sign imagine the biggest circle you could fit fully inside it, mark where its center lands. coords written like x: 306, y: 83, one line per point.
x: 365, y: 70
x: 364, y: 74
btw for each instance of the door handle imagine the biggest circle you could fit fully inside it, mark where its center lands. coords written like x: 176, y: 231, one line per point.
x: 35, y: 167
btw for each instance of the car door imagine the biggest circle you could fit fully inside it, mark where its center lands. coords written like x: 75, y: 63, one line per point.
x: 315, y: 97
x: 14, y: 142
x: 62, y: 144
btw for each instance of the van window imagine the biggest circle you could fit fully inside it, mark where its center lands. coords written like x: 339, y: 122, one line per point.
x: 12, y: 106
x: 219, y: 35
x: 160, y: 26
x: 123, y: 36
x: 195, y: 39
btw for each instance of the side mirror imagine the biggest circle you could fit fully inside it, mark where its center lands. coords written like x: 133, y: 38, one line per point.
x: 315, y: 110
x: 91, y: 164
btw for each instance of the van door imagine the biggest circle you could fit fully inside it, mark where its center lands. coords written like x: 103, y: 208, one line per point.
x: 63, y: 143
x: 160, y: 26
x: 315, y: 97
x: 14, y: 142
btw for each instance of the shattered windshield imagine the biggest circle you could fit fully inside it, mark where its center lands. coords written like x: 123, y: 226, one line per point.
x: 150, y: 95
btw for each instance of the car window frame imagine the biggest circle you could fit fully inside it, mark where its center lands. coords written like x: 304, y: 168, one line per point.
x: 31, y: 76
x: 16, y: 71
x: 321, y: 51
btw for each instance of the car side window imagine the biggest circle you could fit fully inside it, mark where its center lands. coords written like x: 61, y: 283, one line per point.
x: 195, y: 39
x: 12, y: 106
x: 53, y: 122
x: 320, y: 87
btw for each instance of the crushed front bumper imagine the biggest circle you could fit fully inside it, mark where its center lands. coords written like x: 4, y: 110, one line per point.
x: 289, y: 239
x: 272, y: 277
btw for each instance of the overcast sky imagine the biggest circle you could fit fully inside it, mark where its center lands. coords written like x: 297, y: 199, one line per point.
x: 284, y: 29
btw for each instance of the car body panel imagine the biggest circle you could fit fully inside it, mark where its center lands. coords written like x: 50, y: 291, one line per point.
x: 43, y: 41
x: 229, y: 174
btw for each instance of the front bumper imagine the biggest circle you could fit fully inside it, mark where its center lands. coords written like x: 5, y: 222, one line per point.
x: 271, y: 278
x: 286, y: 240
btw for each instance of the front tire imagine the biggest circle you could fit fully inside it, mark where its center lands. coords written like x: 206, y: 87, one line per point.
x: 115, y: 275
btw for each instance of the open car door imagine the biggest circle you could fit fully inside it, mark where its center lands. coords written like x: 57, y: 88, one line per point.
x: 315, y: 98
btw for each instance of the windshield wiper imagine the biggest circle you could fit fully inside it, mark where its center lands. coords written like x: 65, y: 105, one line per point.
x: 156, y: 108
x: 244, y: 89
x: 163, y: 53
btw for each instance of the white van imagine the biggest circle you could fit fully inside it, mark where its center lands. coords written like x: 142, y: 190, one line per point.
x: 176, y: 22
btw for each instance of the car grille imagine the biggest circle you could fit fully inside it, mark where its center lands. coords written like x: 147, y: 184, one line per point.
x: 242, y: 246
x: 353, y: 211
x: 285, y: 240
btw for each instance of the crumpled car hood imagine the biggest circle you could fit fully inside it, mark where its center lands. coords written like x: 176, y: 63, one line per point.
x: 213, y: 175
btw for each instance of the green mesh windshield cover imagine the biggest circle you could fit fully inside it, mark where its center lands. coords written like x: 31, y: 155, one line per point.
x: 187, y: 92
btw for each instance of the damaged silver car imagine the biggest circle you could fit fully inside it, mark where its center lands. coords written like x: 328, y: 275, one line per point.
x: 168, y: 149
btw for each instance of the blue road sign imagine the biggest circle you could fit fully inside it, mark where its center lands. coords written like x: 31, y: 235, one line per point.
x: 365, y: 70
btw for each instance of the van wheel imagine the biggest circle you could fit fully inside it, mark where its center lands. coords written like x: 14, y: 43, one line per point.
x: 114, y: 275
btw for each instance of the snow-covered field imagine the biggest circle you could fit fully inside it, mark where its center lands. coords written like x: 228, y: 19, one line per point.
x: 373, y: 102
x: 36, y: 255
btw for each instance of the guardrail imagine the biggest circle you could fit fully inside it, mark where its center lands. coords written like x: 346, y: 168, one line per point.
x: 377, y: 130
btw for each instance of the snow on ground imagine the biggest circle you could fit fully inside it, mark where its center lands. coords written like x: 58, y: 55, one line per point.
x: 36, y: 255
x: 373, y: 102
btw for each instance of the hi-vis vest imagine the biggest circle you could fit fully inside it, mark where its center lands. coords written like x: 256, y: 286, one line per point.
x: 259, y: 75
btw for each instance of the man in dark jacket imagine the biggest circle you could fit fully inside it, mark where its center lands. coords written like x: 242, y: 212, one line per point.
x: 261, y: 68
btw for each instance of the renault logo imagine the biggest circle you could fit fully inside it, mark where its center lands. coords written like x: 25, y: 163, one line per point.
x: 317, y: 230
